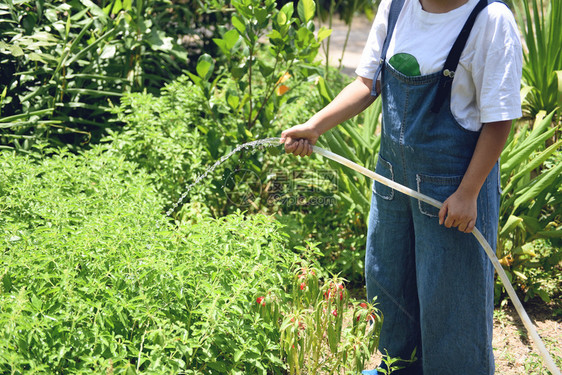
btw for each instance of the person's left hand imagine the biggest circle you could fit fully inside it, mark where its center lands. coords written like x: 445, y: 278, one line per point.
x: 459, y: 211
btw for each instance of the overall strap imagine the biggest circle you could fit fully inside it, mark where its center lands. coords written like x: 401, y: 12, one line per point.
x: 448, y: 72
x: 395, y: 9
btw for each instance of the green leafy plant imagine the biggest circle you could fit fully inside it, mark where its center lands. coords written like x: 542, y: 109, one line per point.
x: 542, y: 71
x: 395, y: 364
x: 63, y: 65
x: 314, y: 337
x: 359, y: 141
x: 261, y: 73
x: 531, y: 177
x: 95, y: 280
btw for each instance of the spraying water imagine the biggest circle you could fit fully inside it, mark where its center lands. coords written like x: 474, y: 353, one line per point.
x: 266, y: 142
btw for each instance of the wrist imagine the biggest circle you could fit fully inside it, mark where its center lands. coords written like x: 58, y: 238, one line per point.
x: 468, y: 191
x: 315, y: 125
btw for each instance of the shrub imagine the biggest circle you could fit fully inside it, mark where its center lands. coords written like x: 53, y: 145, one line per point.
x: 529, y: 230
x: 542, y: 69
x: 64, y: 63
x: 94, y: 280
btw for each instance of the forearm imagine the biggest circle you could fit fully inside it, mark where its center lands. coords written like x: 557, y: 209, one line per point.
x: 351, y: 101
x: 488, y: 149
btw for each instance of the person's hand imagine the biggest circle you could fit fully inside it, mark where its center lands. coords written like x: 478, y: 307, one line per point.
x: 299, y: 139
x: 459, y: 211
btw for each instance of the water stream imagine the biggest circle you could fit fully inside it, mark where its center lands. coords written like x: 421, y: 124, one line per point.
x: 260, y: 143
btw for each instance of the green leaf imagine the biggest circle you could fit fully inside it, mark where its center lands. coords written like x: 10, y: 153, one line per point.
x: 230, y: 38
x: 544, y: 295
x: 108, y: 51
x: 512, y: 222
x: 282, y: 18
x: 205, y: 66
x: 323, y: 33
x: 531, y: 224
x: 306, y: 10
x: 288, y: 10
x: 550, y: 233
x: 536, y: 162
x: 93, y: 92
x: 261, y: 16
x: 233, y: 101
x: 238, y: 24
x: 237, y: 355
x: 539, y: 184
x: 559, y: 86
x: 521, y: 154
x: 127, y: 4
x: 96, y: 10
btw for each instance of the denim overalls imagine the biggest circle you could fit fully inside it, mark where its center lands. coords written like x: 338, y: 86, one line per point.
x: 434, y: 285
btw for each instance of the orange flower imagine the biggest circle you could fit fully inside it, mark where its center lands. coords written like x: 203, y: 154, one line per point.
x: 281, y: 89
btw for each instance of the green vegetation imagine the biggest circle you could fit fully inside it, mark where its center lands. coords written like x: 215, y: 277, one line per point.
x: 109, y: 109
x: 542, y: 70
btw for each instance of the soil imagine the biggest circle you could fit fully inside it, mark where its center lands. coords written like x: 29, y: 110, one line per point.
x: 514, y: 352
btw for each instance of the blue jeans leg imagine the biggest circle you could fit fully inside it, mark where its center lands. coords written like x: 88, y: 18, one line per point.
x: 455, y: 290
x: 390, y: 273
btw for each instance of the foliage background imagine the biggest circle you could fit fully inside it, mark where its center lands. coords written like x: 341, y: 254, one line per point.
x: 109, y: 109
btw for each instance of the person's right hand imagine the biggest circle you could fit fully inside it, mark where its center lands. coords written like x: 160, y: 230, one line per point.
x: 299, y: 139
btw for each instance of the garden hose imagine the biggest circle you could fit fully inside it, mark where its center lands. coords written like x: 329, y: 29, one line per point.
x: 549, y: 362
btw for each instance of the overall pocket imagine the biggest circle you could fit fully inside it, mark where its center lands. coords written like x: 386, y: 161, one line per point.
x: 437, y: 187
x: 384, y: 168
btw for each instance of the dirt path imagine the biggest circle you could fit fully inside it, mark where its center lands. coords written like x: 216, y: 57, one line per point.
x: 357, y: 39
x: 515, y: 353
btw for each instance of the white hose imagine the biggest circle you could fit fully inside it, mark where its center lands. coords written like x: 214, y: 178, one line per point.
x: 487, y: 248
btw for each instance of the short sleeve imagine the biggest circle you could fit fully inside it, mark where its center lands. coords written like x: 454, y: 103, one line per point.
x: 497, y: 69
x: 370, y: 58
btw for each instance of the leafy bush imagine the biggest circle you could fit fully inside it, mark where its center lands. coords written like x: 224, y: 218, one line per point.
x: 64, y: 63
x: 174, y: 141
x: 542, y: 71
x: 94, y: 280
x: 323, y: 331
x: 165, y: 135
x: 531, y: 175
x: 260, y: 71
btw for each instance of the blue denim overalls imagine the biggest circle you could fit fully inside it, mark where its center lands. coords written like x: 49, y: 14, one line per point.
x: 433, y: 284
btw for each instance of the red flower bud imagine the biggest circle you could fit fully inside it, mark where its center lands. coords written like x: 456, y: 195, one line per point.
x: 335, y: 313
x: 261, y: 301
x: 363, y: 305
x: 303, y: 285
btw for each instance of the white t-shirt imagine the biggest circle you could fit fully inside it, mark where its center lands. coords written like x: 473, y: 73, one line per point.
x: 488, y: 78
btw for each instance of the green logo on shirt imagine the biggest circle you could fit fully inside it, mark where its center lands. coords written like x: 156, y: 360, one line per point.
x: 405, y: 64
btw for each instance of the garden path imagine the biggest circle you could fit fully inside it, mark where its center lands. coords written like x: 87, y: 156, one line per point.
x: 357, y: 39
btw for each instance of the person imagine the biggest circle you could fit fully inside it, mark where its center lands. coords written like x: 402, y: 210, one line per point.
x: 448, y: 73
